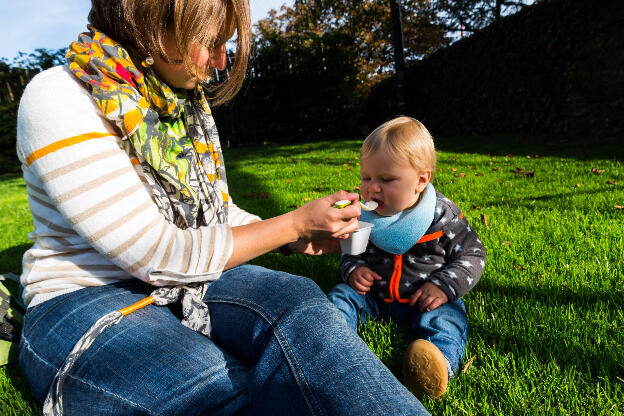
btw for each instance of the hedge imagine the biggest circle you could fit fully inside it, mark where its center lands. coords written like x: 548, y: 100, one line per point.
x: 556, y: 67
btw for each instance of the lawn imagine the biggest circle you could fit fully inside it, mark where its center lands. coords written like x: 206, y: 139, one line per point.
x: 546, y: 319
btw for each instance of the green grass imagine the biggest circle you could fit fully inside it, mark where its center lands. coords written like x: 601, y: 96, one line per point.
x: 15, y: 224
x: 546, y: 319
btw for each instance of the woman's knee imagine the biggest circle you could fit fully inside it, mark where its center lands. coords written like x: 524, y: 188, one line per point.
x: 272, y: 291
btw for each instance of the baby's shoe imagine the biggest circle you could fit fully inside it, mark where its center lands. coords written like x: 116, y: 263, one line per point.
x: 424, y: 369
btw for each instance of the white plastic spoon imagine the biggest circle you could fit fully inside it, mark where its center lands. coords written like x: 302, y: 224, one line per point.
x: 368, y: 206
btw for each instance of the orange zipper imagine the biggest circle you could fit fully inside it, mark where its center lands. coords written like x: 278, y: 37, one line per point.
x: 393, y: 288
x: 395, y: 279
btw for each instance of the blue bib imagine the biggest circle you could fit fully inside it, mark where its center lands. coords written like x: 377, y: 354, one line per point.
x: 398, y: 233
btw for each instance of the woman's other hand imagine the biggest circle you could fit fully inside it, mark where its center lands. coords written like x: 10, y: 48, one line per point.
x: 315, y: 248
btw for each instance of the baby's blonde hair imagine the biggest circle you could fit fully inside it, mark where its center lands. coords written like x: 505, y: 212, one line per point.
x: 404, y: 138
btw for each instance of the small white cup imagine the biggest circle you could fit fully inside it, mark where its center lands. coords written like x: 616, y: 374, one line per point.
x: 358, y: 240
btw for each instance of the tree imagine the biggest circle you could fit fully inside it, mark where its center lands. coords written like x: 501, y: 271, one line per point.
x: 15, y: 75
x: 40, y: 60
x: 472, y: 15
x: 364, y: 28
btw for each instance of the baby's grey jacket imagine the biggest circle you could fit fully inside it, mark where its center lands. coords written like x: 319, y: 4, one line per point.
x: 450, y: 255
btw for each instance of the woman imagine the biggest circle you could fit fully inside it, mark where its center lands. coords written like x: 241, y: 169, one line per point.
x: 127, y: 189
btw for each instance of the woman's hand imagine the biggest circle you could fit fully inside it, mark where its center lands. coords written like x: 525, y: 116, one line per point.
x: 319, y: 220
x: 315, y: 247
x: 312, y: 244
x: 305, y: 230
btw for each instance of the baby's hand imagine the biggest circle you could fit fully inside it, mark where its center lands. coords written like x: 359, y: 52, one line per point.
x: 428, y: 297
x: 361, y: 279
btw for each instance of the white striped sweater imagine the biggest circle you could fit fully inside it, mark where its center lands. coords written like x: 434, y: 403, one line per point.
x: 94, y: 219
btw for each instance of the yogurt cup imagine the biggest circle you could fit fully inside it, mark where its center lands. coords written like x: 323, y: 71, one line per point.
x: 358, y: 240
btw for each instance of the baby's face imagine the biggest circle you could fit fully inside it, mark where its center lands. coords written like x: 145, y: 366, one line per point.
x: 394, y: 185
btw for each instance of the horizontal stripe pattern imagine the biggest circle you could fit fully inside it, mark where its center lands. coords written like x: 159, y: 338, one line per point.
x: 90, y: 185
x: 60, y: 144
x: 237, y: 216
x: 97, y: 208
x: 53, y: 174
x: 95, y: 220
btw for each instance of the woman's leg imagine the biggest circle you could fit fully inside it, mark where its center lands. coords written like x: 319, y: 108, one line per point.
x: 146, y: 364
x: 354, y: 307
x: 298, y: 344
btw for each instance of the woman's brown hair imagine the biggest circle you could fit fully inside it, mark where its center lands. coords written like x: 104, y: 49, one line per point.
x: 142, y: 25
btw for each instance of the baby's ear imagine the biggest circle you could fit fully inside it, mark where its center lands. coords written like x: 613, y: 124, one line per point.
x: 424, y: 177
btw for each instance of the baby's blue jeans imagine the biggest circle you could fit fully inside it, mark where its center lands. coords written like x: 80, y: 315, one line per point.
x: 446, y: 326
x: 278, y: 348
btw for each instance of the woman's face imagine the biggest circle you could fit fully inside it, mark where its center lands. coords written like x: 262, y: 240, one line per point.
x: 175, y: 74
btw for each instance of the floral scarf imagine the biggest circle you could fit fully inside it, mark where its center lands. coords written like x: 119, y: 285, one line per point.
x: 172, y: 135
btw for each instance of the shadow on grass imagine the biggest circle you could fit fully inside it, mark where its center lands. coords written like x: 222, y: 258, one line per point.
x: 11, y: 258
x: 552, y: 296
x: 593, y: 361
x: 304, y: 153
x: 241, y: 183
x: 560, y: 197
x: 516, y: 144
x: 10, y: 261
x: 581, y: 148
x: 8, y: 175
x: 589, y: 355
x: 14, y: 374
x: 324, y: 270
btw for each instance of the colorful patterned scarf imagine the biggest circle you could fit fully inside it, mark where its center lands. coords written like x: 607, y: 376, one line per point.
x: 176, y: 143
x: 172, y: 135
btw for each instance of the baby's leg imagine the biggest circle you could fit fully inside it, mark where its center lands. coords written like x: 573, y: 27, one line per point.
x: 446, y: 327
x: 353, y: 306
x: 432, y: 359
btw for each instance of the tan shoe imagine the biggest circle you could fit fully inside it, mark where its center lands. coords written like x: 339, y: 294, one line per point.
x: 424, y: 369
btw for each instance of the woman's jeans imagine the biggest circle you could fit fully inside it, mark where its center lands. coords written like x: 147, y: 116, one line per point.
x: 279, y: 348
x: 446, y: 326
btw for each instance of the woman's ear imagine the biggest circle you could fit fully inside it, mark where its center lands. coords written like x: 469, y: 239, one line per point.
x: 423, y: 179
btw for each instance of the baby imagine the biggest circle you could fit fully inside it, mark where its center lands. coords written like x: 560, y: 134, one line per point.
x: 422, y: 257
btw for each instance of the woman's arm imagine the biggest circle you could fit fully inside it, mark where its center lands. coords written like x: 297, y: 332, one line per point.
x: 80, y: 179
x: 314, y: 221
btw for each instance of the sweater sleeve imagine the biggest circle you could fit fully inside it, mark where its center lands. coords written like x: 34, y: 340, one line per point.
x: 465, y: 255
x: 238, y: 216
x: 73, y: 163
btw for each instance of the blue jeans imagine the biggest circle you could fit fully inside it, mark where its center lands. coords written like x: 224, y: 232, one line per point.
x: 279, y: 348
x: 446, y: 326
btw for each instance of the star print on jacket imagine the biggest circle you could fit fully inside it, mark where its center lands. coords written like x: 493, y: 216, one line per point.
x: 453, y: 259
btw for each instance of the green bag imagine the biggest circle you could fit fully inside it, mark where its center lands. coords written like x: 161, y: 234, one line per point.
x: 11, y: 319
